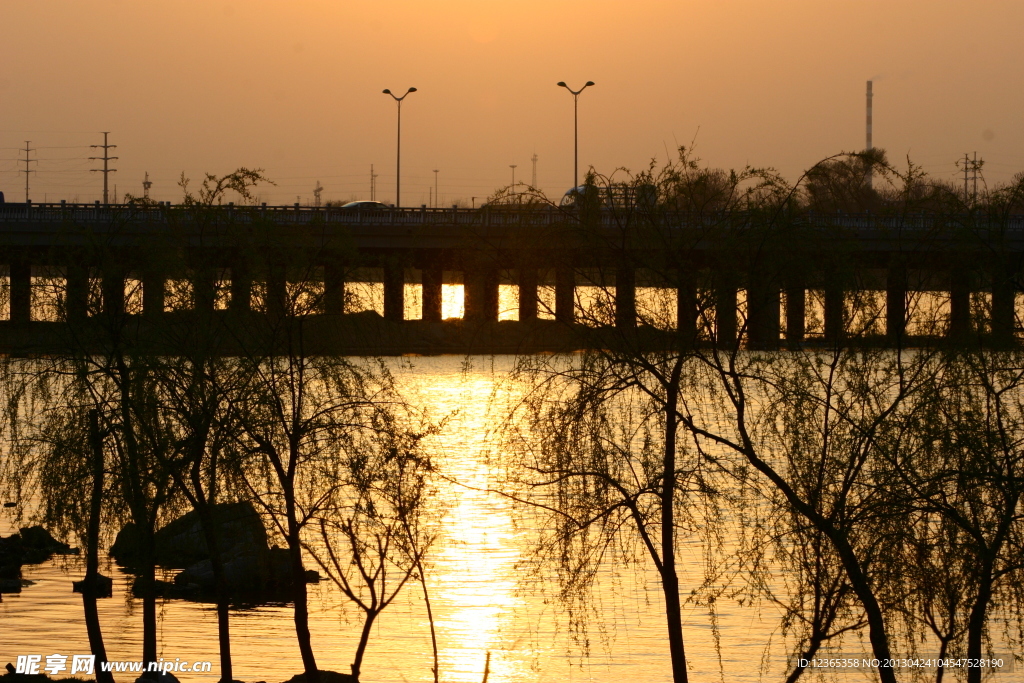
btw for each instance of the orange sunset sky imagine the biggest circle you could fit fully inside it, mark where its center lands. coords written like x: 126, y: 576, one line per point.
x: 294, y: 87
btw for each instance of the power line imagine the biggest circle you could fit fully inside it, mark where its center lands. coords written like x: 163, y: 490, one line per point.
x: 106, y: 158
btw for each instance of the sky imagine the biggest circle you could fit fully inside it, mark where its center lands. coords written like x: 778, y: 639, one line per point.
x: 295, y: 87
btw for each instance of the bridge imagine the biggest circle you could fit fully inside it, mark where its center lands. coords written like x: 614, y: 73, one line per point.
x: 69, y: 267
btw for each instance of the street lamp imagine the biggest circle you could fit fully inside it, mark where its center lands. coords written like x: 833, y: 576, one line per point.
x: 398, y: 164
x: 513, y: 167
x: 575, y: 129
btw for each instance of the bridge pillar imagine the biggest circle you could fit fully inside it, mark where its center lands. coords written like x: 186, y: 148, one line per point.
x: 277, y: 290
x: 241, y: 287
x: 21, y: 292
x: 205, y: 290
x: 625, y: 297
x: 394, y: 292
x: 762, y: 312
x: 113, y: 291
x: 76, y: 300
x: 565, y: 294
x: 725, y: 311
x: 152, y: 293
x: 481, y: 294
x: 896, y: 304
x: 1003, y: 314
x: 834, y: 299
x: 527, y: 294
x: 959, y: 304
x: 796, y: 307
x: 334, y: 289
x: 433, y: 288
x: 686, y: 308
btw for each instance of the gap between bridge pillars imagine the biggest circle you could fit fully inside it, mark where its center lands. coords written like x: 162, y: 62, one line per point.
x: 77, y: 293
x: 1003, y: 314
x: 959, y: 304
x: 796, y: 311
x: 834, y: 300
x: 896, y: 304
x: 686, y: 309
x: 481, y: 294
x: 433, y: 297
x: 113, y: 291
x: 625, y: 297
x: 334, y: 289
x: 725, y: 311
x: 394, y: 292
x: 21, y: 292
x: 527, y: 293
x: 565, y: 294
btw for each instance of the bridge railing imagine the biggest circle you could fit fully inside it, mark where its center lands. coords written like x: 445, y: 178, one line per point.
x: 165, y: 212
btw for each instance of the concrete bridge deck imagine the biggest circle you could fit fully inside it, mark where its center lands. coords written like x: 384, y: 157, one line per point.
x: 255, y: 254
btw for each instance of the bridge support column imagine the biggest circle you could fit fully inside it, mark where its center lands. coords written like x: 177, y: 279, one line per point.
x: 205, y: 290
x: 686, y: 308
x: 763, y: 304
x: 334, y: 289
x: 796, y: 320
x: 21, y: 292
x: 481, y: 294
x: 113, y: 291
x: 152, y: 293
x: 625, y: 297
x: 1003, y: 314
x: 565, y: 294
x: 433, y: 288
x: 834, y: 299
x: 896, y: 305
x: 394, y: 292
x: 725, y: 311
x: 277, y: 290
x: 77, y: 293
x: 527, y: 294
x: 959, y: 305
x: 241, y: 288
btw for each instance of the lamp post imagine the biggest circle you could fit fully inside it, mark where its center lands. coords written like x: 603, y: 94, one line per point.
x: 576, y: 129
x: 513, y: 167
x: 398, y: 163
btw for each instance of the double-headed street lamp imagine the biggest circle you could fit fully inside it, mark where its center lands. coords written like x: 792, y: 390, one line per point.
x: 398, y: 164
x: 576, y: 129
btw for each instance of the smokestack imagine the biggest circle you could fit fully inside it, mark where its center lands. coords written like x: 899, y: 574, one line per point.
x: 870, y: 146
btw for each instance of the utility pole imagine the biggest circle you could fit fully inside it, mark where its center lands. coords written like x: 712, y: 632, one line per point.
x: 373, y: 184
x: 533, y: 179
x: 316, y: 194
x: 513, y: 167
x: 146, y: 184
x: 437, y: 198
x: 967, y: 198
x: 27, y: 160
x: 106, y: 159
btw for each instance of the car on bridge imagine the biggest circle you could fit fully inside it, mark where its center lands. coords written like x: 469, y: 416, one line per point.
x: 365, y: 205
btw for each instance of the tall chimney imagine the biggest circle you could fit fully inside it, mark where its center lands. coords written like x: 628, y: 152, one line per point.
x: 870, y: 146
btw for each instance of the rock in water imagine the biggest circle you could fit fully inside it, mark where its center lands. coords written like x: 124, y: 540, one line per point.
x: 104, y: 586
